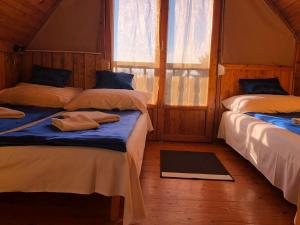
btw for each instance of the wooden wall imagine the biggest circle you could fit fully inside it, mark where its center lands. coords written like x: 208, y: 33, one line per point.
x: 10, y: 65
x: 83, y: 65
x: 297, y: 71
x: 20, y: 20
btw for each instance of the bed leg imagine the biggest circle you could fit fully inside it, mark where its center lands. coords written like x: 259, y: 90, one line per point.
x: 115, y: 208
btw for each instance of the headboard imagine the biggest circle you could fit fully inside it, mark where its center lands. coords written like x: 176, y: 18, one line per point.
x: 82, y: 65
x: 228, y: 84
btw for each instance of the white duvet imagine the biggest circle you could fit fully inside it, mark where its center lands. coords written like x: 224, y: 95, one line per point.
x: 274, y: 151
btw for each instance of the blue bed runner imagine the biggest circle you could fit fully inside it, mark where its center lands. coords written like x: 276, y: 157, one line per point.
x: 112, y: 136
x: 32, y: 114
x: 283, y: 120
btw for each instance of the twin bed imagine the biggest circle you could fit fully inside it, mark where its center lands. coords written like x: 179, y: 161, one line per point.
x: 261, y: 127
x: 37, y: 157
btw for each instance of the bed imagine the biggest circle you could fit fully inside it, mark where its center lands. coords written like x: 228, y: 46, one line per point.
x: 258, y: 124
x: 274, y: 151
x: 80, y: 169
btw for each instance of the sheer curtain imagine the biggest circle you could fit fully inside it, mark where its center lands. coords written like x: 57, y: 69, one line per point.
x: 188, y: 52
x: 135, y: 42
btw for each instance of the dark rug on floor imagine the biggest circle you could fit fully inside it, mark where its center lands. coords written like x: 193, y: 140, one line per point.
x: 192, y: 165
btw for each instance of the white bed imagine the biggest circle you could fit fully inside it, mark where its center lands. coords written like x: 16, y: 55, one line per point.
x: 81, y: 170
x: 274, y: 151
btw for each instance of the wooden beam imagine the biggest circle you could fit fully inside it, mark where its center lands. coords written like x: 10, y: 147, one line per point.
x: 272, y: 4
x: 214, y: 60
x: 42, y: 22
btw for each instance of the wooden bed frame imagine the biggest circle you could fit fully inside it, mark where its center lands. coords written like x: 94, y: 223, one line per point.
x: 116, y: 209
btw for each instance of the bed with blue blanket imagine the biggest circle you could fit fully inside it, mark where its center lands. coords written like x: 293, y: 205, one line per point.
x: 106, y: 160
x: 271, y: 142
x: 111, y: 136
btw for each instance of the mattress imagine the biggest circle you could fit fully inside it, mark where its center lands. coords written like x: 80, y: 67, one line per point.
x: 274, y: 151
x: 81, y: 170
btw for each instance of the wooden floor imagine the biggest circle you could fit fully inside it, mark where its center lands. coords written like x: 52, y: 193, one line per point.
x: 250, y: 200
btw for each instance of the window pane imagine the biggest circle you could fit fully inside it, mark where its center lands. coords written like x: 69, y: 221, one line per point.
x: 188, y: 52
x: 135, y: 42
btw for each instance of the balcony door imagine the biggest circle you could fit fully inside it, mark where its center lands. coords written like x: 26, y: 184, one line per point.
x: 167, y: 45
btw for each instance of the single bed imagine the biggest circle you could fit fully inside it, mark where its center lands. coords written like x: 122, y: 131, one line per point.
x: 80, y: 169
x: 274, y: 151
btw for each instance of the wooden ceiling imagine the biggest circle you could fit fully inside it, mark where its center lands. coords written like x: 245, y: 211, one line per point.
x: 21, y: 19
x: 290, y: 11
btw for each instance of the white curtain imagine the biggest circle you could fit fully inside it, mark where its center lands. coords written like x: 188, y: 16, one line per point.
x: 135, y: 38
x: 136, y: 47
x: 188, y: 52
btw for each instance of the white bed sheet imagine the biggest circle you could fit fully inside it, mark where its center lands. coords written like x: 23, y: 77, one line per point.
x: 274, y: 151
x: 82, y: 170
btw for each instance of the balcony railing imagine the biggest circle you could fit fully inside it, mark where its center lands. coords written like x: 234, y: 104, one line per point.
x: 186, y: 84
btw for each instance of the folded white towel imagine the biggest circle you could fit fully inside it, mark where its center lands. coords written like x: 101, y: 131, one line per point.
x: 97, y: 116
x: 75, y: 123
x: 6, y: 113
x: 296, y: 120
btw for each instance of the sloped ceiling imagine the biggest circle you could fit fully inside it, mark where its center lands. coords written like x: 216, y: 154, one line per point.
x: 290, y: 10
x: 21, y: 19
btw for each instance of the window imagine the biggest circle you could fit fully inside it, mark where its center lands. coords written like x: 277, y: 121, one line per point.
x: 135, y: 42
x: 136, y: 50
x: 188, y: 52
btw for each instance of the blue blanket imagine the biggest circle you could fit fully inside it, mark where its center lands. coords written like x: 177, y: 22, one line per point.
x: 283, y: 120
x: 32, y: 114
x: 110, y: 135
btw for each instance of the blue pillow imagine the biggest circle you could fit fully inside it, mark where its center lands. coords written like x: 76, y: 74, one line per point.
x: 49, y: 76
x: 113, y: 80
x: 262, y: 86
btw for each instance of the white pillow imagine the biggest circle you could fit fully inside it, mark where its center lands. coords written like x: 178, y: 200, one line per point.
x: 263, y: 103
x: 110, y: 99
x: 38, y: 95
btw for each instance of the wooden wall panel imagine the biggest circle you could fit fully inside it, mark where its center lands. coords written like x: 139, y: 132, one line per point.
x: 9, y: 69
x: 82, y: 65
x: 297, y: 71
x: 185, y: 124
x: 2, y: 70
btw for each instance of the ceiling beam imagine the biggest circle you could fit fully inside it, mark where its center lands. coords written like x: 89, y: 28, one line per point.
x: 43, y: 21
x: 272, y: 4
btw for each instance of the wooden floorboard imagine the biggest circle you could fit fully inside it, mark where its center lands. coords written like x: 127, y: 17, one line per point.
x: 250, y: 200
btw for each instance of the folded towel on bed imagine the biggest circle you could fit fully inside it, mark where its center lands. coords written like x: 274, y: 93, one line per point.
x: 296, y: 120
x: 6, y: 113
x: 75, y: 123
x: 99, y: 117
x: 83, y: 120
